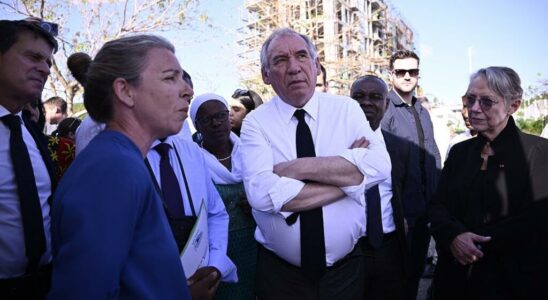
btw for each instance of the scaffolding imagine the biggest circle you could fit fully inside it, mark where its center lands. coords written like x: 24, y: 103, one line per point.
x: 353, y: 37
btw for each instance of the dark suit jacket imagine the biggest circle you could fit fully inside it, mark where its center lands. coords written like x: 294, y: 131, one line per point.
x: 42, y: 144
x: 516, y: 175
x: 399, y: 150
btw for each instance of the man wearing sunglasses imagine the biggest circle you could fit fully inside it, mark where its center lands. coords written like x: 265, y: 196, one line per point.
x: 407, y: 118
x: 27, y: 177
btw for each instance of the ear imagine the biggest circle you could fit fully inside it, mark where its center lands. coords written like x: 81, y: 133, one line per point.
x: 266, y: 79
x: 124, y: 92
x: 514, y: 106
x: 318, y: 68
x: 391, y: 76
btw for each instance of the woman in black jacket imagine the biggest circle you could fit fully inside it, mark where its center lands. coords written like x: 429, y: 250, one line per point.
x: 489, y: 214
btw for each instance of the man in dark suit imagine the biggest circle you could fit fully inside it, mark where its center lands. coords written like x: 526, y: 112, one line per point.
x: 28, y: 178
x: 384, y: 257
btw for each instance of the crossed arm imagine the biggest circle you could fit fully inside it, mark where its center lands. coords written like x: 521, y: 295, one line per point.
x: 327, y: 174
x: 306, y: 183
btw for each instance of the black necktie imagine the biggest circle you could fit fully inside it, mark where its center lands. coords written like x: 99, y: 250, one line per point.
x: 312, y: 231
x: 31, y: 211
x: 171, y: 190
x: 374, y: 222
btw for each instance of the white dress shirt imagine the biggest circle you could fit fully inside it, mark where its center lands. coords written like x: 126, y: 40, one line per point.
x: 13, y: 261
x: 201, y: 188
x: 385, y: 191
x: 268, y: 138
x: 87, y: 130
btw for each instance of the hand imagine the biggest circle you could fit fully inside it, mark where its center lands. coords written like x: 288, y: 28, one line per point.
x: 204, y: 283
x: 360, y: 143
x: 464, y: 249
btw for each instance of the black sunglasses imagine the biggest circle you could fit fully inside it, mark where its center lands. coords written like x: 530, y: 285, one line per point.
x: 485, y: 102
x: 219, y: 117
x: 49, y: 27
x: 401, y: 72
x: 240, y: 93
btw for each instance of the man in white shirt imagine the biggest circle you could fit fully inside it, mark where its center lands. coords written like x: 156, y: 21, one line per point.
x: 289, y: 191
x: 26, y: 174
x: 55, y: 109
x: 195, y: 185
x: 384, y: 258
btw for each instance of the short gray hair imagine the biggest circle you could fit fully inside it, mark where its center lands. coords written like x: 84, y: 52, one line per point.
x: 504, y: 81
x: 121, y: 58
x: 284, y: 32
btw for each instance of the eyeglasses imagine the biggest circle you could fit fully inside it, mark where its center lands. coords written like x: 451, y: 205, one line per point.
x: 362, y: 97
x: 401, y: 72
x: 219, y: 117
x: 485, y: 102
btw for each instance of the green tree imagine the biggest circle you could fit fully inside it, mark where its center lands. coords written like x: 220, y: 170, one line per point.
x: 87, y: 24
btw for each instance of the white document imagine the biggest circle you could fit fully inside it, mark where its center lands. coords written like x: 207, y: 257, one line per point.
x: 196, y: 252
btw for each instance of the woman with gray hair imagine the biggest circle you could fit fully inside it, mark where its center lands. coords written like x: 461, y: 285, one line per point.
x: 111, y: 239
x: 488, y: 216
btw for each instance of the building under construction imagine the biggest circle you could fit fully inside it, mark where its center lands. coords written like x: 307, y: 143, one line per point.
x: 353, y: 37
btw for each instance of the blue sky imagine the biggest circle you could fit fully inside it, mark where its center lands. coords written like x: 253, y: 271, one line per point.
x: 503, y: 32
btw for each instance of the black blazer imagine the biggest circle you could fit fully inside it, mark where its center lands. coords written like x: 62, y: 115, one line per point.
x: 517, y: 175
x: 42, y: 144
x: 399, y: 151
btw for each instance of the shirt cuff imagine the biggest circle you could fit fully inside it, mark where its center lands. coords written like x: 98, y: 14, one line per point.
x: 283, y: 191
x: 356, y: 192
x: 227, y: 268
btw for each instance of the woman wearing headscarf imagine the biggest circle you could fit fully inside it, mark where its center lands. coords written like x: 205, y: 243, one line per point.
x: 111, y: 238
x: 221, y: 148
x: 489, y: 214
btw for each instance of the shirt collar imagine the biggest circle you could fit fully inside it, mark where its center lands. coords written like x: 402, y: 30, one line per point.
x: 398, y: 101
x: 168, y: 140
x: 287, y: 111
x: 4, y: 111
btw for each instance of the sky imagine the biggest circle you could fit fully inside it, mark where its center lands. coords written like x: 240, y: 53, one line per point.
x: 495, y: 32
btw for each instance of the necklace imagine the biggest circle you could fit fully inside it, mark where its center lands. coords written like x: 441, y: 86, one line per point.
x: 219, y: 159
x: 223, y: 159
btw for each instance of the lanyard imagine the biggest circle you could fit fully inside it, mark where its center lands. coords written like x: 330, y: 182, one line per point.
x: 159, y: 190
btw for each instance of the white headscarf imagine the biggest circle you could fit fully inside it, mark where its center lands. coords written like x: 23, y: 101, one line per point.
x: 198, y: 101
x: 219, y: 173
